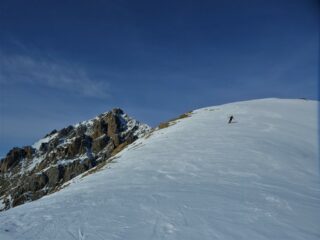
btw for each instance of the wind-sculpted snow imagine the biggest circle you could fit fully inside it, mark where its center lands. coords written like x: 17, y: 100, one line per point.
x: 201, y: 178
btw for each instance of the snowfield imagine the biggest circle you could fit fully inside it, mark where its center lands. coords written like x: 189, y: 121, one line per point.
x: 201, y: 178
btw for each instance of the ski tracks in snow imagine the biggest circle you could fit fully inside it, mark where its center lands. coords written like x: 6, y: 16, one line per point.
x: 81, y: 235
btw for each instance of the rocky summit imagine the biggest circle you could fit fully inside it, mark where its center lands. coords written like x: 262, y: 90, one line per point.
x: 30, y: 172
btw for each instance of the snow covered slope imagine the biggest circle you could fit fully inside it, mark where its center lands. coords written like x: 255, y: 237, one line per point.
x: 200, y: 178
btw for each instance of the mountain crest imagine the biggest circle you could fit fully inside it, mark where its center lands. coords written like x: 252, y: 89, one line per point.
x: 31, y: 172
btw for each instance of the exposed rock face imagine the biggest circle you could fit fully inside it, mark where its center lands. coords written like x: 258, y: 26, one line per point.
x: 14, y: 157
x: 100, y: 143
x: 31, y: 172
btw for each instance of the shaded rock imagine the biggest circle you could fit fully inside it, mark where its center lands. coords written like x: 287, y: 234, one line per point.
x: 116, y: 139
x: 35, y: 182
x: 65, y: 131
x: 125, y: 143
x: 79, y: 146
x: 55, y: 174
x: 52, y: 144
x: 117, y: 111
x: 99, y: 143
x: 51, y: 133
x: 99, y: 128
x: 14, y: 156
x: 114, y: 124
x: 77, y: 167
x: 44, y: 147
x: 81, y: 130
x: 29, y: 151
x: 20, y: 199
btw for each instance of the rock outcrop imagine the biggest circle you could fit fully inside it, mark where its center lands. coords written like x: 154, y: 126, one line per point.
x: 31, y: 172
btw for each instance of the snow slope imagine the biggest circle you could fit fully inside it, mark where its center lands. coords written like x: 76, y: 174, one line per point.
x: 200, y: 178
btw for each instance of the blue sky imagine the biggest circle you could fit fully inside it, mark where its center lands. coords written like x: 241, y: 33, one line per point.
x: 66, y: 61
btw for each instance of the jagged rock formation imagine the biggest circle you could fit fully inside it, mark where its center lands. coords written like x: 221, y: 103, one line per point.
x: 31, y: 172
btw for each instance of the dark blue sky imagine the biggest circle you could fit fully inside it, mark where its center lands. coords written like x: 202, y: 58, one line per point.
x: 66, y: 61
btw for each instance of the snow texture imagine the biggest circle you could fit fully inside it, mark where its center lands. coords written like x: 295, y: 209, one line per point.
x: 37, y: 144
x: 201, y: 178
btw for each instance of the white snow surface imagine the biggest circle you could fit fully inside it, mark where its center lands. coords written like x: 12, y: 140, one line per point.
x: 200, y: 178
x: 37, y: 144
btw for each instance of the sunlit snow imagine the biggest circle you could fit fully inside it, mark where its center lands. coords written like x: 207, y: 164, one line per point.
x: 201, y: 178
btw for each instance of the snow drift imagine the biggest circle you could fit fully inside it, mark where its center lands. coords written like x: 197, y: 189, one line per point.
x: 197, y: 178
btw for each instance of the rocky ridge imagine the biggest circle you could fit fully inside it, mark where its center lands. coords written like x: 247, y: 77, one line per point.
x: 30, y: 172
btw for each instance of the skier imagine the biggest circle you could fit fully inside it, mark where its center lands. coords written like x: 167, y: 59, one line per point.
x: 230, y: 119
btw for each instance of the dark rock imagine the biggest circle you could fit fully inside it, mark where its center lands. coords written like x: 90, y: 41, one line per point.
x: 86, y: 142
x: 100, y: 127
x: 55, y: 174
x: 53, y: 144
x: 65, y: 131
x: 74, y: 148
x: 99, y: 143
x: 79, y: 146
x: 51, y: 133
x: 44, y: 147
x: 129, y: 139
x: 14, y: 156
x: 29, y: 151
x: 77, y: 167
x: 115, y: 139
x: 20, y: 200
x: 114, y: 124
x: 117, y: 111
x: 81, y: 130
x: 35, y: 182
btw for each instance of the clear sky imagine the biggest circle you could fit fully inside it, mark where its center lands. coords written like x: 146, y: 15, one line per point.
x: 62, y: 62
